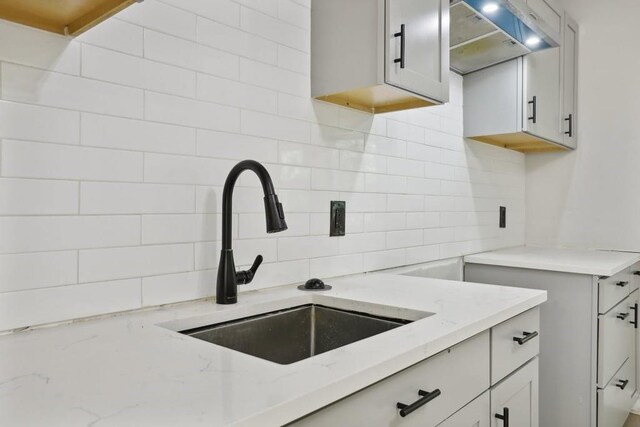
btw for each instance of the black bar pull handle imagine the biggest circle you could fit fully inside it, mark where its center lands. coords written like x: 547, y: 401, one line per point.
x: 425, y: 398
x: 622, y: 316
x: 534, y: 103
x: 622, y: 284
x: 622, y: 384
x: 570, y: 120
x: 528, y: 336
x: 504, y: 416
x: 634, y: 322
x: 402, y: 35
x: 636, y: 273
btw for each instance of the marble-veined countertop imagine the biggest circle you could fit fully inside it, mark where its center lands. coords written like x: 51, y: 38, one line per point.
x: 133, y: 369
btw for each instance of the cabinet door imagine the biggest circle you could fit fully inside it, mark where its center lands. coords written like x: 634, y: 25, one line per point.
x: 514, y: 402
x: 570, y: 82
x: 548, y: 15
x: 636, y: 348
x: 542, y: 94
x: 475, y: 414
x: 417, y: 47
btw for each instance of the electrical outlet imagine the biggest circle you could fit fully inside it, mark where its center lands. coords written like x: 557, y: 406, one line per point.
x: 503, y: 217
x: 338, y: 217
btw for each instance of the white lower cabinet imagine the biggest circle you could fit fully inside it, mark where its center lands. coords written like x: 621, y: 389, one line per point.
x: 449, y: 389
x: 514, y: 402
x: 475, y: 414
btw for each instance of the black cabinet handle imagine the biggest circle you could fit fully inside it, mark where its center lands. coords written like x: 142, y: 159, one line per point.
x: 400, y: 34
x: 622, y: 384
x: 634, y: 322
x: 534, y: 103
x: 570, y: 120
x: 636, y: 273
x: 622, y: 316
x: 504, y: 416
x: 622, y: 284
x: 527, y: 337
x: 426, y: 398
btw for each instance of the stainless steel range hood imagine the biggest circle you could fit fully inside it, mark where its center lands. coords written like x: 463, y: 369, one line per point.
x: 487, y: 32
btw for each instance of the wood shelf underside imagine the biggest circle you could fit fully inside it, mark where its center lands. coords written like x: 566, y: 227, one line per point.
x: 66, y: 17
x: 376, y: 99
x: 520, y: 141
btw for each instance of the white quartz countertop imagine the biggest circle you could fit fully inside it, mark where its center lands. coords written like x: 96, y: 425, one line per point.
x: 133, y: 369
x: 580, y: 261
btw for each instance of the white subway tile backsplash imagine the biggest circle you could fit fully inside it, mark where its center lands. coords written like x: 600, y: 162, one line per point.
x: 270, y: 126
x: 32, y: 86
x: 160, y: 229
x: 404, y: 239
x: 190, y: 112
x: 138, y: 135
x: 362, y: 242
x: 384, y: 259
x: 39, y: 306
x: 224, y: 11
x: 121, y: 198
x: 138, y: 261
x: 306, y: 247
x: 274, y: 29
x: 336, y: 266
x: 188, y: 54
x: 39, y: 160
x: 233, y: 40
x: 274, y: 78
x: 235, y: 146
x: 115, y: 34
x: 129, y: 70
x: 171, y: 169
x: 170, y: 288
x: 161, y: 17
x: 38, y: 49
x: 306, y: 155
x: 294, y: 14
x: 229, y: 92
x: 114, y: 148
x: 20, y: 272
x: 361, y: 162
x: 31, y: 122
x: 53, y: 233
x: 38, y: 197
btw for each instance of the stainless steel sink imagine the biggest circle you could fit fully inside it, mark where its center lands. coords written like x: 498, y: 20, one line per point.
x: 294, y: 334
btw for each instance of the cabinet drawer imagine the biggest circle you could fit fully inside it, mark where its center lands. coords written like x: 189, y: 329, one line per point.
x: 513, y: 343
x: 616, y: 399
x: 475, y: 414
x: 616, y: 339
x: 612, y: 290
x: 460, y: 373
x: 515, y: 400
x: 634, y: 273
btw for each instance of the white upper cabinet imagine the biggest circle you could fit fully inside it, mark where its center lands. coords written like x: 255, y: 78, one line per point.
x: 415, y: 60
x: 548, y: 14
x: 541, y: 95
x: 570, y: 82
x: 527, y: 104
x: 380, y: 55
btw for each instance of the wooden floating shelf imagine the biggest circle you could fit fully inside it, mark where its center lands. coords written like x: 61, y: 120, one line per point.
x: 520, y: 141
x: 66, y: 17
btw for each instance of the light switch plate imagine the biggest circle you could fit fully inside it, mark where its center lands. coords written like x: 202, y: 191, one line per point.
x: 338, y: 217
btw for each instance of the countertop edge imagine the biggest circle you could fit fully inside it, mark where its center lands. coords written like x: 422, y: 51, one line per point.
x: 301, y: 406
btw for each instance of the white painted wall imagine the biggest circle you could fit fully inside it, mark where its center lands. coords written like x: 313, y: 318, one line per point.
x: 590, y: 198
x: 115, y: 147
